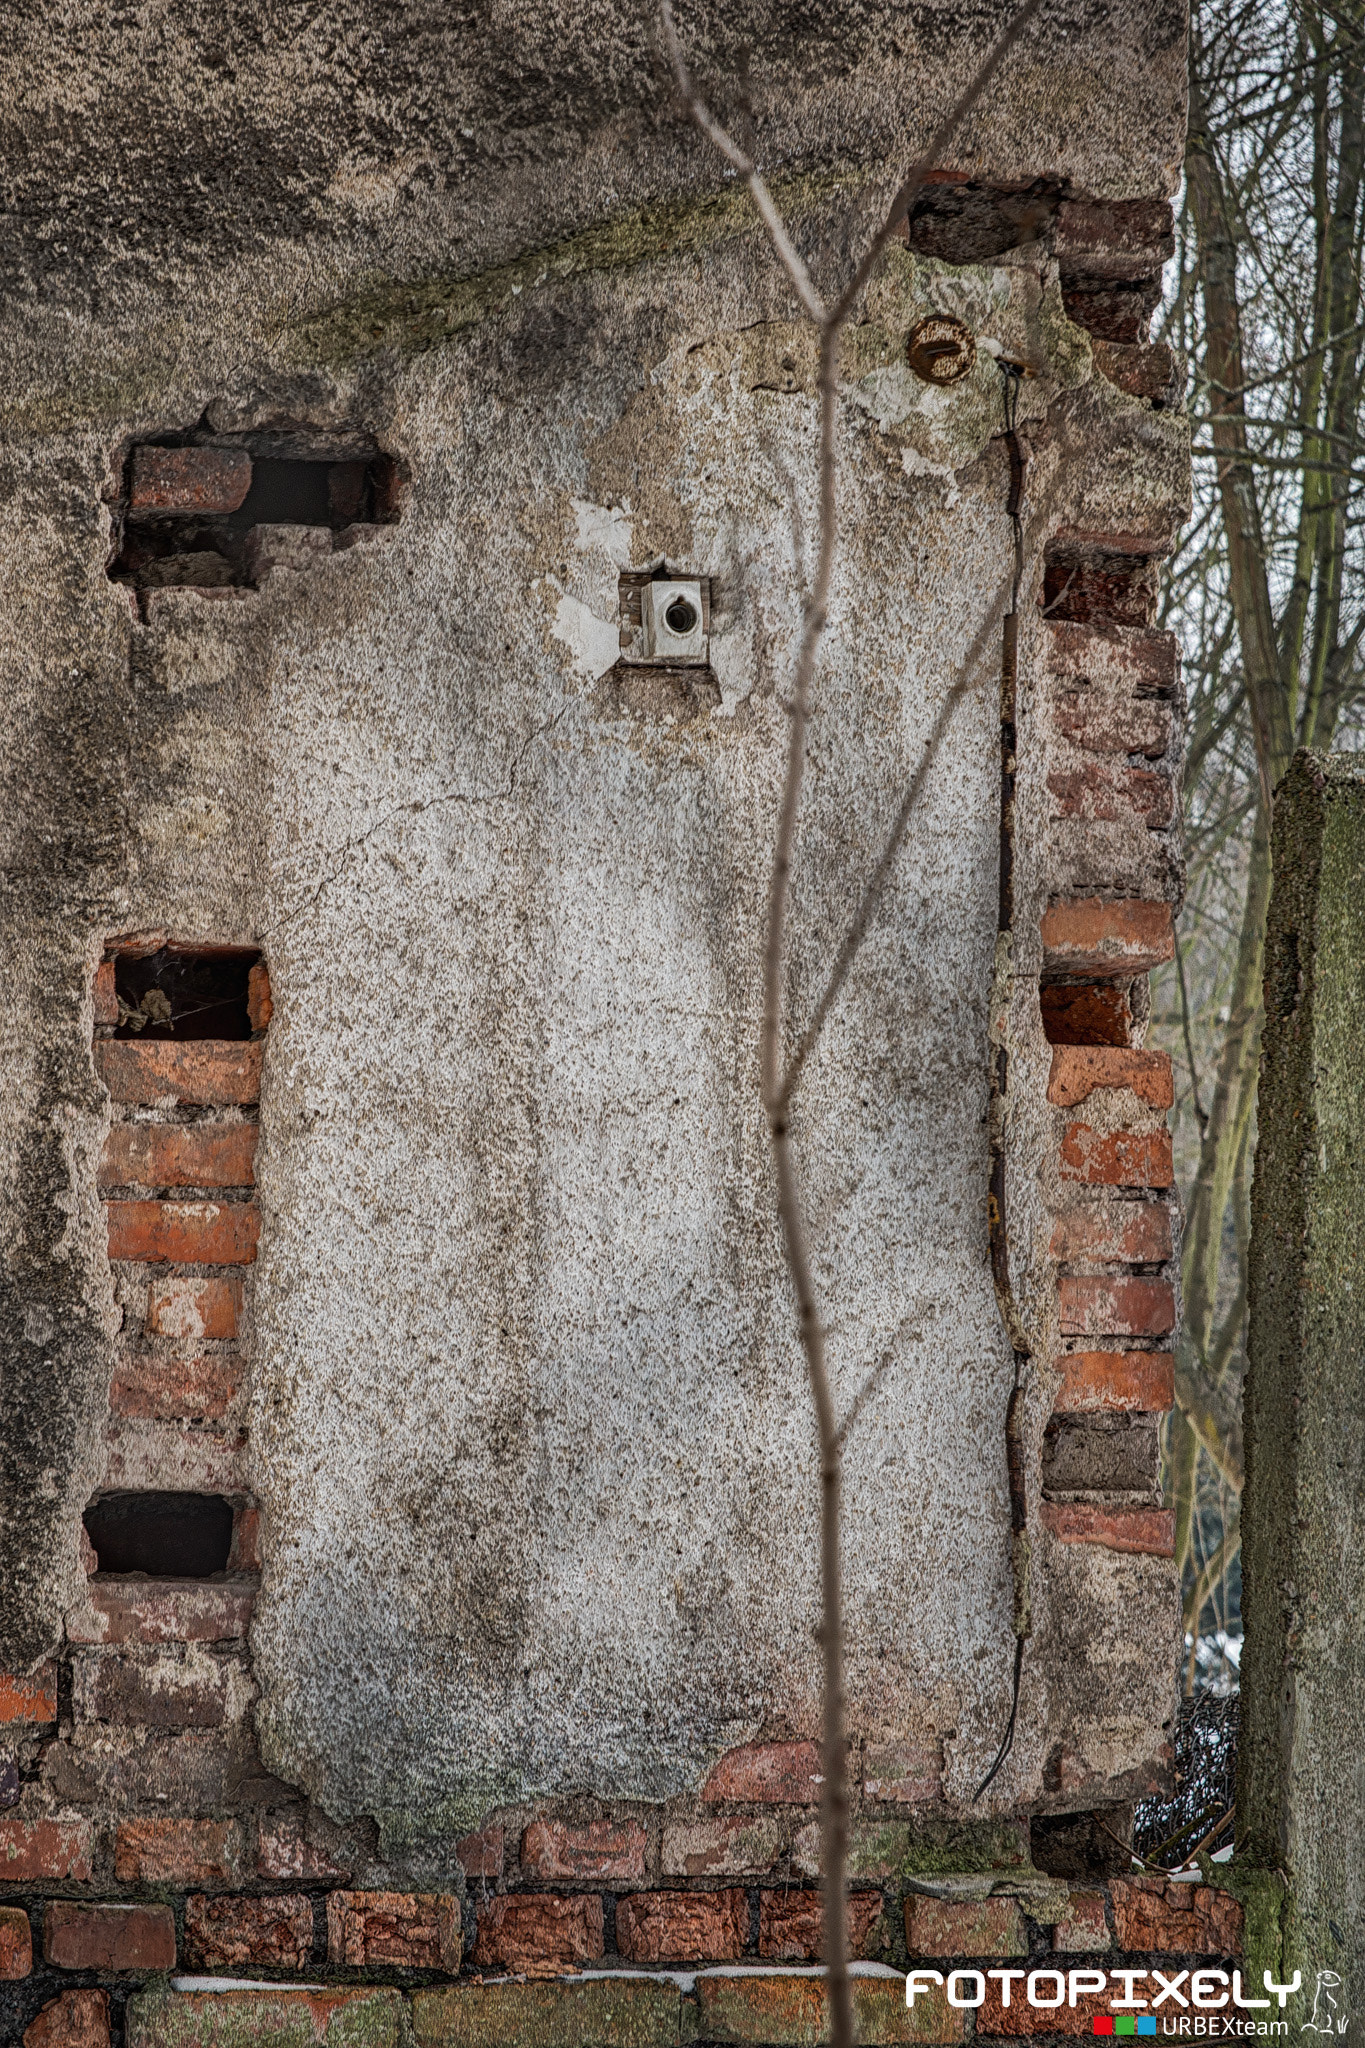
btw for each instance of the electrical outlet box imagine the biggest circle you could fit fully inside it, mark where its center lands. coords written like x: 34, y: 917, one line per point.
x: 672, y: 624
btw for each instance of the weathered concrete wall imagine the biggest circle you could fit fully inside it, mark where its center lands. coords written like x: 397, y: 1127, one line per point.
x: 1301, y: 1784
x: 528, y: 1427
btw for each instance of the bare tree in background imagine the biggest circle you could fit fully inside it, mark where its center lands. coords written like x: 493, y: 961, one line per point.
x: 1267, y: 593
x: 780, y: 1070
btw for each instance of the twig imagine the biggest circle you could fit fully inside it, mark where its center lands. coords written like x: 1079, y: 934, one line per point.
x: 775, y: 1085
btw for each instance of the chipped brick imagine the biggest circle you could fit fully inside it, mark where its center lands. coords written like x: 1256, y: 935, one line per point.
x: 953, y: 1927
x: 164, y: 1610
x: 481, y: 1854
x: 699, y: 1927
x: 791, y: 1926
x: 194, y: 1311
x: 149, y: 1387
x: 32, y: 1849
x: 604, y: 1848
x: 1135, y: 1382
x: 78, y: 2019
x: 225, y: 1933
x: 16, y: 1944
x: 1110, y: 1306
x: 1085, y: 1013
x: 289, y: 1848
x: 1176, y: 1919
x: 188, y: 479
x: 177, y: 1852
x: 1106, y: 793
x: 179, y: 1156
x: 730, y: 1847
x: 416, y: 1930
x: 209, y: 1071
x: 538, y: 1933
x: 184, y: 1233
x: 1123, y: 1232
x: 777, y: 1773
x: 1083, y: 1930
x: 32, y: 1699
x: 1090, y: 936
x: 1144, y: 1531
x: 150, y: 1689
x: 1117, y: 1159
x: 902, y: 1774
x: 1077, y: 1070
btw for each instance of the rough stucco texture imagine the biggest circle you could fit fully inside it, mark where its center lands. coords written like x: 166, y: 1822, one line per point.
x: 529, y: 1426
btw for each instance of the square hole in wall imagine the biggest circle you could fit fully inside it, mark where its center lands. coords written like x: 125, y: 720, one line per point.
x: 186, y: 992
x: 164, y: 1535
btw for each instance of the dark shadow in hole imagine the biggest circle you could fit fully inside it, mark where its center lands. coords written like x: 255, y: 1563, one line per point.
x: 165, y: 1535
x: 206, y: 992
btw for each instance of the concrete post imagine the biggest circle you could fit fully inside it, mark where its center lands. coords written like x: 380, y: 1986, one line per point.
x: 1301, y: 1787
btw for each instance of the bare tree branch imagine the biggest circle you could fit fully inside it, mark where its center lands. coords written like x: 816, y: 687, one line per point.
x: 776, y: 1085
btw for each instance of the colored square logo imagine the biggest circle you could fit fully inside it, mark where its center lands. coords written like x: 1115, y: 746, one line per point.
x: 1103, y: 2023
x: 1125, y: 2024
x: 1146, y: 2023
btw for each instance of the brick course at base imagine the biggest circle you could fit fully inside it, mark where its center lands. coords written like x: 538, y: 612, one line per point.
x: 108, y: 1937
x: 16, y: 1943
x: 78, y: 2019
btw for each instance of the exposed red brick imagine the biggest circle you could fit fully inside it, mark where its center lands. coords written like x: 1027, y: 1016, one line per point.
x: 953, y: 1927
x: 223, y: 1933
x: 1143, y: 369
x: 286, y: 1850
x: 1083, y: 1931
x: 1114, y: 1307
x: 1113, y: 237
x: 1020, y: 2020
x: 259, y: 1007
x: 29, y: 1698
x: 108, y: 1937
x: 194, y: 1311
x: 1123, y: 1233
x: 538, y: 1933
x: 179, y: 1156
x: 1128, y: 668
x: 604, y: 1848
x: 1120, y: 310
x: 1085, y: 1013
x: 1147, y: 1531
x: 148, y: 1689
x: 1086, y: 580
x: 901, y: 1773
x: 16, y: 1944
x: 184, y: 1233
x: 1135, y: 1382
x: 417, y: 1930
x: 164, y: 1610
x: 245, y: 1554
x: 791, y: 2009
x: 791, y: 1927
x: 106, y: 998
x: 212, y: 1071
x: 31, y: 1849
x: 176, y: 1852
x: 148, y: 1387
x: 1117, y: 1159
x: 694, y: 1927
x: 733, y: 1845
x: 188, y: 479
x: 481, y: 1855
x: 1077, y: 1070
x: 1104, y: 725
x: 1107, y: 793
x: 1185, y: 1919
x: 78, y: 2019
x: 168, y: 1457
x: 1090, y: 936
x: 776, y: 1773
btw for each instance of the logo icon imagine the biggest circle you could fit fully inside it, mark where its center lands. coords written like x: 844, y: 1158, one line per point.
x: 1325, y: 2005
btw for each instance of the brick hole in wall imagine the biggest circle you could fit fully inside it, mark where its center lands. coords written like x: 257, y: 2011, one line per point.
x: 1086, y: 583
x: 161, y: 1535
x: 962, y: 222
x: 179, y: 992
x: 219, y: 513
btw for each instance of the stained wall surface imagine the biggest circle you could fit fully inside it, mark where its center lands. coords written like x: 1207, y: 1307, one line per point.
x: 528, y: 1427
